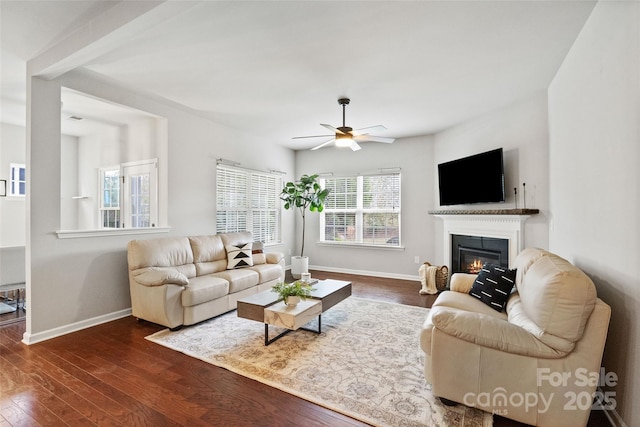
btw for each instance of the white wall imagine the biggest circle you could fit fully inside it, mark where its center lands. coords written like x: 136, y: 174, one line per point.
x: 594, y: 126
x: 415, y: 158
x: 69, y: 165
x: 521, y: 130
x: 12, y: 209
x: 88, y: 276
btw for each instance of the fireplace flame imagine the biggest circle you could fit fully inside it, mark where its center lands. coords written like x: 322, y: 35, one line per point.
x: 475, y: 266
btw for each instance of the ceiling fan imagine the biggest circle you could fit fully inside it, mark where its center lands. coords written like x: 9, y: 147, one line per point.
x: 344, y: 136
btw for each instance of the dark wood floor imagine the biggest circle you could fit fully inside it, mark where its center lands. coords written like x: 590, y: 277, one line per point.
x: 110, y: 375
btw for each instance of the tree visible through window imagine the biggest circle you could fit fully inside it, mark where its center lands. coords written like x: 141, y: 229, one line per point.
x: 362, y: 210
x: 248, y: 200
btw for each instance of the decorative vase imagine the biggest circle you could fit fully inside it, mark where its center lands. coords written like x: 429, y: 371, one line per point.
x: 299, y: 265
x: 292, y: 300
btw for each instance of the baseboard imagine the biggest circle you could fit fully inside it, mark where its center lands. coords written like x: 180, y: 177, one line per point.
x: 29, y: 339
x: 366, y: 273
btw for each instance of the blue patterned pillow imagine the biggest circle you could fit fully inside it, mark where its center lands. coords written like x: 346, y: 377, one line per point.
x: 493, y: 285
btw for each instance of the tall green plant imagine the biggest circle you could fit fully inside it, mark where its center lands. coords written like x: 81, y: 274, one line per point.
x: 304, y: 194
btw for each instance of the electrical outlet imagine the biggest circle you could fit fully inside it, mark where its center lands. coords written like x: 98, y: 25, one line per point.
x: 417, y: 260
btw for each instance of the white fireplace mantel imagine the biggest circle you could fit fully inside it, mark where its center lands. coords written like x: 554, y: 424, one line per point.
x: 503, y: 224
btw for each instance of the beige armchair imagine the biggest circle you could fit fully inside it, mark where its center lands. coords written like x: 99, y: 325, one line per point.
x: 538, y: 361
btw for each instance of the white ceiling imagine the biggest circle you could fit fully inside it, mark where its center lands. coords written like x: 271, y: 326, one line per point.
x: 276, y: 69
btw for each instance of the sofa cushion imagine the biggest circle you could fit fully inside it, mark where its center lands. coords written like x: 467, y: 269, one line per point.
x: 518, y: 317
x: 557, y: 297
x: 209, y: 254
x: 466, y: 302
x: 257, y: 251
x: 239, y: 256
x: 239, y: 279
x: 162, y: 252
x: 204, y: 288
x: 493, y: 285
x: 268, y: 272
x: 525, y: 259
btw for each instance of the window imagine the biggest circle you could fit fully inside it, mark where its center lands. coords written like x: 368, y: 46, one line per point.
x: 129, y: 195
x: 110, y: 200
x: 18, y: 181
x: 248, y: 201
x: 362, y: 210
x: 140, y: 194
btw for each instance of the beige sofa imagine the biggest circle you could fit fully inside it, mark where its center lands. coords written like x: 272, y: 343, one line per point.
x: 179, y: 281
x: 536, y: 363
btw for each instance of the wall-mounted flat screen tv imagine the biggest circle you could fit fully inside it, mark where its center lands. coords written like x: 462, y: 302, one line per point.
x: 474, y: 179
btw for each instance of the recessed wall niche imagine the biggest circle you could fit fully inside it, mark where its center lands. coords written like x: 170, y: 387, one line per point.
x: 102, y: 142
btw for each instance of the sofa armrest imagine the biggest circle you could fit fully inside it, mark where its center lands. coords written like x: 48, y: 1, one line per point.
x: 151, y: 277
x: 462, y: 282
x: 274, y: 257
x: 487, y: 331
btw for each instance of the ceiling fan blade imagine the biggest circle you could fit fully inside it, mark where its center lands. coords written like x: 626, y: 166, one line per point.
x: 323, y: 144
x: 354, y: 146
x: 371, y: 138
x: 312, y: 136
x: 331, y: 128
x: 368, y: 130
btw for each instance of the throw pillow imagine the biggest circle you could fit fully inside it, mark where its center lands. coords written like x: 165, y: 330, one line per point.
x: 258, y: 253
x: 493, y: 285
x: 239, y: 256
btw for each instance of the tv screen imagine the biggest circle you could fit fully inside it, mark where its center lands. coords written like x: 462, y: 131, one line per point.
x: 474, y: 179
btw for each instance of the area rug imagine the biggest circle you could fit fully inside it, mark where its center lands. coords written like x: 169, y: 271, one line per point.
x: 366, y: 363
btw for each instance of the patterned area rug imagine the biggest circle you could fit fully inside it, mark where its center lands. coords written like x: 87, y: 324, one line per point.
x: 366, y: 364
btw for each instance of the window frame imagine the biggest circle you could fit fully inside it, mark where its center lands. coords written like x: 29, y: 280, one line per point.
x: 359, y: 211
x: 15, y: 183
x: 254, y: 205
x: 101, y: 208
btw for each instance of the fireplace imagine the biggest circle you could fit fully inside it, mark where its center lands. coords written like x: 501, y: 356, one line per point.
x: 470, y: 253
x: 500, y: 224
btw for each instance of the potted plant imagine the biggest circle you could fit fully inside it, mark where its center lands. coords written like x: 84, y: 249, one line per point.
x: 303, y: 194
x: 292, y: 293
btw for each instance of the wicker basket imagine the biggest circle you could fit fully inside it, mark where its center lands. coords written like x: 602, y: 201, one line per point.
x: 442, y: 276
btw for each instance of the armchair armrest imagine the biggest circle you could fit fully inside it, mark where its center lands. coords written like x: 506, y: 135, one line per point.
x: 487, y: 331
x: 152, y: 277
x: 462, y: 282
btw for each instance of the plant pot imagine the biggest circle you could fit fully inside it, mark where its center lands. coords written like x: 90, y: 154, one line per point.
x: 299, y: 265
x: 292, y: 300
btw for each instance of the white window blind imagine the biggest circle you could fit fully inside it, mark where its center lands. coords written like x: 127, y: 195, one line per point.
x: 362, y: 210
x: 248, y: 200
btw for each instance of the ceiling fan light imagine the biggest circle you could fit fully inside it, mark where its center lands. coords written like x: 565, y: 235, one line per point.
x: 343, y: 140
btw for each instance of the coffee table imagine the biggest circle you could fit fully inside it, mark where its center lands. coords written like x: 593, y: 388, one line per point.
x: 264, y: 307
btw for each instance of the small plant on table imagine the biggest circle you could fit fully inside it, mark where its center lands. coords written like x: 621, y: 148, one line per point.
x: 299, y: 289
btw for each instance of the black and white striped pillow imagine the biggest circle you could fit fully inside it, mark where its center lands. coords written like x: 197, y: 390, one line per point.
x: 493, y: 285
